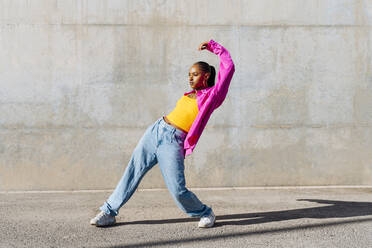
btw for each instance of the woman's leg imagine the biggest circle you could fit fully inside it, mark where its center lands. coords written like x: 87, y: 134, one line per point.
x: 142, y: 160
x: 171, y: 162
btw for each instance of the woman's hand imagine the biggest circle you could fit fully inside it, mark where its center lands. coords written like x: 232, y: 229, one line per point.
x: 203, y: 45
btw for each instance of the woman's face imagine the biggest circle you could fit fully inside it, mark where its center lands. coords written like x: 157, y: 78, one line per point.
x: 197, y: 78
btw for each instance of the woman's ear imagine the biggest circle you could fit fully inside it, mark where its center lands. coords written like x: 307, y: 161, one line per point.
x: 207, y: 75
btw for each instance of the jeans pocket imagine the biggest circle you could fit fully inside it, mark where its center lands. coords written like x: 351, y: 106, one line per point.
x: 178, y: 138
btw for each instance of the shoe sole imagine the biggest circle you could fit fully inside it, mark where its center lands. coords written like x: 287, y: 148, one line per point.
x: 207, y: 226
x: 110, y: 224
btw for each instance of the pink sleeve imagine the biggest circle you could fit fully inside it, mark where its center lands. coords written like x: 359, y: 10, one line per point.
x: 225, y: 72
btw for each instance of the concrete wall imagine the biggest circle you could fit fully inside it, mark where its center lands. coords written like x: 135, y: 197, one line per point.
x: 82, y: 79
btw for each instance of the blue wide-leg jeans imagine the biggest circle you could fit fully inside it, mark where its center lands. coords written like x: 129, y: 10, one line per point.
x: 161, y: 144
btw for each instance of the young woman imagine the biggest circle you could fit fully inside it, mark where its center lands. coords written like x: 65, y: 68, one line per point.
x: 169, y: 139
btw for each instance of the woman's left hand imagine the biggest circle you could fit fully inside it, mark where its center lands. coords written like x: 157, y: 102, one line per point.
x: 203, y: 45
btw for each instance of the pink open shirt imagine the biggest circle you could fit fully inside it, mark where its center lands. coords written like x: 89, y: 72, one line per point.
x: 210, y: 98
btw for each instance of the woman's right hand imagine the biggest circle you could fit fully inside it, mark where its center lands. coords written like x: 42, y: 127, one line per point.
x: 203, y: 45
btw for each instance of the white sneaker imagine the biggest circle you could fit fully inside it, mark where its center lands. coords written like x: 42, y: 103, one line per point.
x: 103, y: 219
x: 207, y: 221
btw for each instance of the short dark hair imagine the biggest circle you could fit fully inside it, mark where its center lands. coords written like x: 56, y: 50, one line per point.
x: 205, y: 67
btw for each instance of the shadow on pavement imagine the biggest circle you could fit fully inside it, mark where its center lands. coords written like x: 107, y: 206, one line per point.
x: 177, y: 242
x: 335, y: 209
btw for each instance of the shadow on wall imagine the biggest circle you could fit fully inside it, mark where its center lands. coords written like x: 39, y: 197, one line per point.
x: 336, y: 209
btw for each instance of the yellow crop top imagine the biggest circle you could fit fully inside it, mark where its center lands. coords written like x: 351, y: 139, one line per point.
x: 185, y: 112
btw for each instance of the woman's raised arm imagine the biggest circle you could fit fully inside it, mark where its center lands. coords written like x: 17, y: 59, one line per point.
x: 225, y: 73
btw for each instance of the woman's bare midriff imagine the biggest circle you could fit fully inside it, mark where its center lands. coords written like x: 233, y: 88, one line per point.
x: 173, y: 125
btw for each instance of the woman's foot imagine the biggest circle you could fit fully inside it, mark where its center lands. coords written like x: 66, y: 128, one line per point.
x: 103, y: 219
x: 207, y: 221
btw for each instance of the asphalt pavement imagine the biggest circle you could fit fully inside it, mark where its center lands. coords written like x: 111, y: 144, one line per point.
x: 257, y: 217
